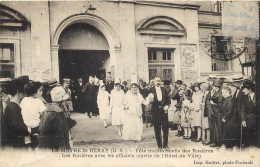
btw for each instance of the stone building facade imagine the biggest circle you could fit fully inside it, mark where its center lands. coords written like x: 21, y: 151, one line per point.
x: 123, y: 38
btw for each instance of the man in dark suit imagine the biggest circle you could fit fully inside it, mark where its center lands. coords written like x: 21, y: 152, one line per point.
x: 238, y: 99
x: 109, y: 84
x: 90, y: 95
x: 79, y: 96
x: 213, y: 102
x: 249, y: 115
x: 160, y: 107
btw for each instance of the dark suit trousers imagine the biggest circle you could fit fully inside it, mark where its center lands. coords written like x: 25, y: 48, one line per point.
x: 216, y: 128
x: 160, y: 121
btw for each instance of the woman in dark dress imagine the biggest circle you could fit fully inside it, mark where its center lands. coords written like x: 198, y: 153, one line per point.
x: 14, y: 126
x: 53, y: 128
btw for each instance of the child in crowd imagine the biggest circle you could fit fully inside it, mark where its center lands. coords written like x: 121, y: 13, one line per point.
x: 32, y: 108
x: 186, y: 114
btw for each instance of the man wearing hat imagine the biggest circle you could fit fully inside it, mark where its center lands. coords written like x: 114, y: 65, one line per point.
x: 160, y: 107
x: 213, y: 103
x: 249, y: 115
x: 166, y: 85
x: 210, y: 81
x: 237, y: 93
x: 68, y: 103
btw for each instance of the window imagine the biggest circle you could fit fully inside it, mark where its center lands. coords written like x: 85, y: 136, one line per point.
x: 221, y: 52
x: 167, y: 55
x: 7, y: 60
x: 164, y: 56
x: 160, y: 54
x: 152, y: 55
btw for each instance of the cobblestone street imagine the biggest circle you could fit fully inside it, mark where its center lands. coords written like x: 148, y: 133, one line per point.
x: 91, y: 133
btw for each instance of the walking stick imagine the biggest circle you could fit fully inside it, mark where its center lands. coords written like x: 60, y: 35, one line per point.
x: 241, y: 136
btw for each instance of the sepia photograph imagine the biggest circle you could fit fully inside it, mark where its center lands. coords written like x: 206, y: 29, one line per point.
x: 129, y: 83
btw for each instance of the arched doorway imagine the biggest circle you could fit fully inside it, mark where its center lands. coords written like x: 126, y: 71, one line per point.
x: 83, y: 51
x: 101, y: 25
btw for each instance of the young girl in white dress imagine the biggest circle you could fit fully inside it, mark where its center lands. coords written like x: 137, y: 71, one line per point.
x: 32, y: 109
x: 133, y: 122
x: 103, y: 104
x: 117, y: 107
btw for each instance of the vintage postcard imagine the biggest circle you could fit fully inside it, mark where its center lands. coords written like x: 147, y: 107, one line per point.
x: 129, y: 83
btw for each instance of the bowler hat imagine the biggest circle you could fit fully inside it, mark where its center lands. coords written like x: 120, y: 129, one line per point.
x: 248, y: 84
x: 217, y: 83
x: 179, y: 82
x: 58, y: 94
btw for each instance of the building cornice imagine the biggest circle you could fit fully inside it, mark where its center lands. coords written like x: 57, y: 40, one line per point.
x: 209, y: 25
x: 209, y: 13
x: 159, y: 4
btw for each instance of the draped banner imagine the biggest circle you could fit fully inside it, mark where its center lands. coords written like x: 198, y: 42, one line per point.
x: 189, y: 64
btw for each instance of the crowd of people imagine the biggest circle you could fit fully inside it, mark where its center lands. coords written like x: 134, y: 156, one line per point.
x: 219, y: 111
x: 35, y: 114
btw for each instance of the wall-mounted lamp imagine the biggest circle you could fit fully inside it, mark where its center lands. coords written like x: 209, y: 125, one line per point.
x: 90, y: 8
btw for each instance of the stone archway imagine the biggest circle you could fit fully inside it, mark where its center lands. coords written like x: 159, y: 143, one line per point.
x: 103, y: 26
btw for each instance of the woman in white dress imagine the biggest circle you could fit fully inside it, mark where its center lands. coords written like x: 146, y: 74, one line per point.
x: 117, y: 107
x: 103, y: 104
x: 196, y: 122
x: 133, y: 122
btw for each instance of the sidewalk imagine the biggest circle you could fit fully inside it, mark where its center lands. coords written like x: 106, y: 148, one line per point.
x: 91, y: 131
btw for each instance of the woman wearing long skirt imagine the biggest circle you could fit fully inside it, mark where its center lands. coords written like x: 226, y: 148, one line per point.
x: 205, y: 121
x: 103, y: 104
x: 196, y: 112
x: 117, y: 107
x: 186, y: 115
x: 53, y: 127
x: 133, y: 123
